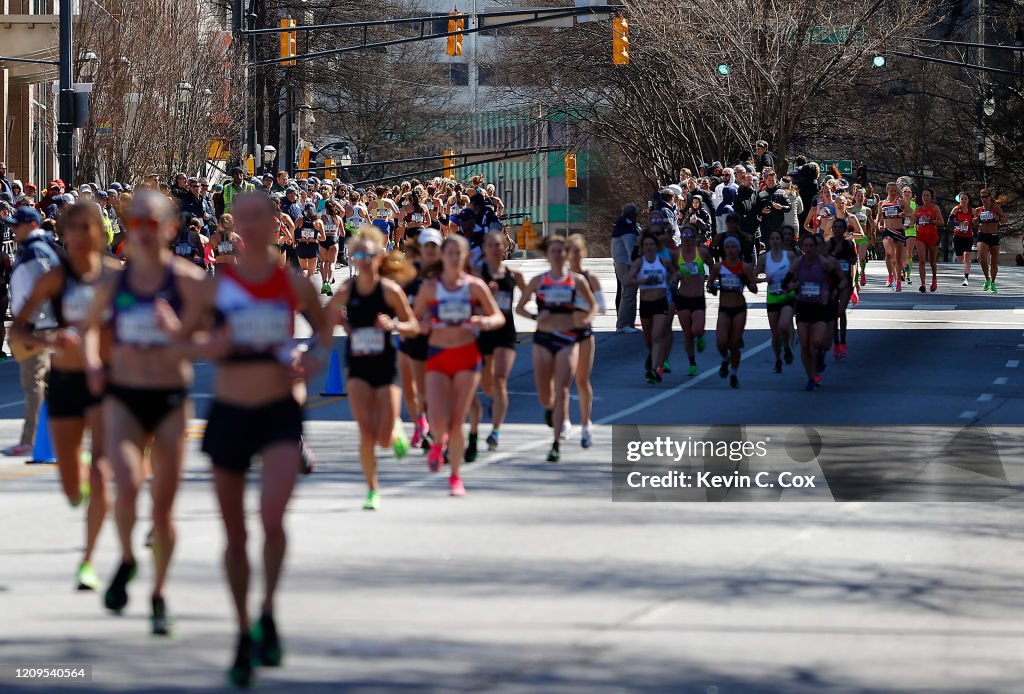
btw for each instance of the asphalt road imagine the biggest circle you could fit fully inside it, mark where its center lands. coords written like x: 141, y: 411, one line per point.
x: 537, y: 582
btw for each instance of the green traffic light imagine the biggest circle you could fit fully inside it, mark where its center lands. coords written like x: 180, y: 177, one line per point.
x: 723, y: 69
x: 878, y: 61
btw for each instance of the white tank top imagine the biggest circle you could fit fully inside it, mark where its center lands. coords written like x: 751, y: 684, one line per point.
x: 655, y: 270
x: 776, y: 272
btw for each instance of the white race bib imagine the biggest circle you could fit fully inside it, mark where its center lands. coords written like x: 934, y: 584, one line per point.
x: 225, y: 247
x: 260, y: 326
x: 184, y: 250
x: 844, y: 265
x: 558, y: 294
x: 417, y: 218
x: 810, y: 290
x: 309, y: 233
x: 731, y: 282
x: 775, y: 288
x: 383, y: 213
x: 454, y: 311
x: 504, y: 300
x: 367, y: 341
x: 76, y: 302
x: 137, y: 326
x: 891, y: 212
x: 986, y: 216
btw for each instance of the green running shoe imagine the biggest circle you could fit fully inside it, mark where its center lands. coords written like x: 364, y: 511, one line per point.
x: 692, y: 371
x: 554, y: 455
x: 401, y: 444
x: 162, y: 624
x: 701, y: 343
x: 987, y: 285
x: 666, y: 367
x: 87, y: 577
x: 992, y: 286
x: 372, y: 502
x: 242, y: 674
x: 265, y: 643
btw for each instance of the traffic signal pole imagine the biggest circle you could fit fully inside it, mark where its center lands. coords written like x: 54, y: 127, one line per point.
x: 66, y: 97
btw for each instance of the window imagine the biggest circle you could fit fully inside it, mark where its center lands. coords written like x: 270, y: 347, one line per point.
x: 459, y: 74
x: 487, y: 76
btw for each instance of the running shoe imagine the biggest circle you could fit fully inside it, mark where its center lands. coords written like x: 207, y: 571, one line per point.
x: 548, y: 414
x: 455, y: 486
x: 116, y: 596
x: 964, y: 282
x: 87, y: 577
x: 778, y: 366
x: 987, y: 285
x: 306, y: 456
x: 701, y: 343
x: 817, y: 381
x: 863, y: 278
x: 492, y: 441
x: 992, y: 286
x: 372, y: 502
x: 554, y: 455
x: 811, y: 385
x: 417, y: 438
x: 18, y: 450
x: 266, y: 645
x: 692, y: 371
x: 330, y: 291
x: 899, y: 286
x: 922, y: 289
x: 84, y: 490
x: 651, y: 378
x: 723, y: 370
x: 666, y: 367
x: 424, y: 425
x: 734, y: 381
x: 470, y: 455
x: 835, y: 353
x: 566, y: 429
x: 324, y: 288
x: 435, y: 457
x: 889, y: 283
x: 788, y: 354
x: 586, y: 440
x: 241, y: 674
x: 161, y: 624
x: 658, y: 373
x: 935, y: 284
x: 854, y: 297
x: 400, y: 446
x: 427, y: 442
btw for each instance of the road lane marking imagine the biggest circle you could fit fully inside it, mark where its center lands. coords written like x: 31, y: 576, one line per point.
x: 968, y: 414
x: 985, y: 397
x: 1001, y: 381
x: 1012, y: 363
x: 934, y: 307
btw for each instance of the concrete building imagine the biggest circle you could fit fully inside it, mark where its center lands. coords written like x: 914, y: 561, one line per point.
x: 28, y: 29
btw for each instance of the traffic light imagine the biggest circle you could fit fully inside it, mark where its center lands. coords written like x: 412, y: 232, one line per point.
x: 620, y: 41
x: 723, y: 69
x: 455, y: 26
x: 449, y: 164
x: 329, y: 170
x: 288, y: 41
x: 303, y: 167
x: 570, y: 170
x: 878, y: 61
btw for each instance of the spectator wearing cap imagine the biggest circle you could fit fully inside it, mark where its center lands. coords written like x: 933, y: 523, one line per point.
x: 53, y: 191
x: 237, y: 186
x: 35, y: 257
x: 745, y: 206
x: 31, y: 191
x: 715, y: 174
x: 624, y: 235
x: 772, y: 203
x: 179, y: 188
x: 267, y: 183
x: 291, y: 205
x: 196, y: 206
x: 763, y: 159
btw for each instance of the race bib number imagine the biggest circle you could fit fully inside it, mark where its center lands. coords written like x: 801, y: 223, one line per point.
x: 416, y: 218
x: 654, y: 277
x: 810, y: 290
x: 137, y: 326
x: 367, y: 341
x: 924, y: 219
x: 308, y: 234
x: 691, y: 268
x: 987, y: 216
x: 775, y: 288
x: 558, y: 295
x: 429, y: 206
x: 862, y: 217
x: 184, y: 250
x: 844, y: 265
x: 454, y: 311
x: 382, y: 214
x: 891, y: 212
x: 504, y: 300
x: 225, y: 248
x: 731, y: 283
x: 76, y: 303
x: 260, y: 326
x: 963, y: 229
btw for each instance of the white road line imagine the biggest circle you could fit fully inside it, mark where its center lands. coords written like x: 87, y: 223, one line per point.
x: 968, y: 414
x: 1012, y: 363
x: 934, y: 307
x: 985, y: 397
x: 12, y: 404
x: 1001, y: 381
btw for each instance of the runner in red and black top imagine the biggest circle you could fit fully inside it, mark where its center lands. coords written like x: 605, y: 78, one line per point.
x: 961, y: 221
x: 928, y: 218
x: 843, y: 249
x: 731, y: 276
x: 147, y: 388
x: 256, y: 409
x: 891, y: 213
x: 72, y: 408
x: 987, y: 218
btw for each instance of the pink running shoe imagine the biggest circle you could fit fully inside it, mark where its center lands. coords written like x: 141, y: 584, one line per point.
x: 455, y: 486
x: 817, y: 380
x: 889, y: 283
x: 854, y: 297
x: 435, y: 457
x: 417, y: 437
x: 842, y: 352
x: 423, y: 425
x: 863, y: 279
x: 899, y: 286
x: 837, y: 353
x: 935, y: 284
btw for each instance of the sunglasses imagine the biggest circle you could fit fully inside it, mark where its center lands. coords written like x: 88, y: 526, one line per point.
x: 142, y: 224
x: 363, y: 256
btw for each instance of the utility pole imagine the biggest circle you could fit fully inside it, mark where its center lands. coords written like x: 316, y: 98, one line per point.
x: 66, y: 97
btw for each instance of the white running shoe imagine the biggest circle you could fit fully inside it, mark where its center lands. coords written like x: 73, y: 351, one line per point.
x: 566, y: 430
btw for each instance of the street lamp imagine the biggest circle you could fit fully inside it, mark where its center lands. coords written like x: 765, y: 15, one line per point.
x: 90, y: 67
x: 269, y: 152
x: 345, y: 160
x: 989, y: 106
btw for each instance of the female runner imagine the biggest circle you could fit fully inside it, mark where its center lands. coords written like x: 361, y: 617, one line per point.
x: 254, y: 410
x: 72, y: 408
x: 809, y: 277
x: 928, y: 218
x: 333, y: 222
x: 555, y: 348
x: 653, y: 275
x: 851, y: 227
x: 308, y: 235
x: 453, y: 308
x: 732, y: 275
x: 584, y: 335
x: 891, y: 212
x: 147, y: 390
x: 775, y: 265
x: 690, y: 305
x: 374, y: 305
x: 987, y: 219
x: 843, y: 249
x: 866, y: 220
x: 413, y: 218
x: 961, y: 220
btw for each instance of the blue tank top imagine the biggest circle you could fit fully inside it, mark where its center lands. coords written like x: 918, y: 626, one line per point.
x: 134, y: 319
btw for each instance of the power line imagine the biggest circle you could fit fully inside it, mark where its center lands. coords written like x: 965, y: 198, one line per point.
x: 969, y: 44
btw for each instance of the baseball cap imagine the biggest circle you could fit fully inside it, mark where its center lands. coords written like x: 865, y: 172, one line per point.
x: 292, y: 189
x: 429, y: 235
x: 68, y: 198
x: 676, y: 190
x: 237, y: 170
x: 55, y: 184
x: 716, y: 165
x: 116, y: 186
x: 268, y: 175
x: 85, y: 188
x: 102, y: 195
x: 25, y: 215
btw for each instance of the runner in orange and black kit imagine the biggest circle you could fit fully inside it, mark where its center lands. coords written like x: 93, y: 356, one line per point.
x: 843, y: 248
x: 555, y: 344
x: 928, y: 218
x: 987, y: 219
x: 961, y: 221
x: 453, y: 308
x: 375, y: 305
x: 72, y: 408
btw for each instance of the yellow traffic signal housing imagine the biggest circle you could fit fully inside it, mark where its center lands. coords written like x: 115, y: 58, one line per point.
x: 329, y: 170
x: 570, y: 170
x: 620, y: 41
x: 449, y: 164
x: 288, y: 41
x: 460, y: 25
x: 450, y: 49
x: 303, y: 166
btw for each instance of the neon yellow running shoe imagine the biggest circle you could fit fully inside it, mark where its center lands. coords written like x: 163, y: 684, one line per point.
x: 87, y: 577
x: 372, y: 502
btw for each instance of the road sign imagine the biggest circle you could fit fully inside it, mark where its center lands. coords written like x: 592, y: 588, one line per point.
x: 831, y: 35
x: 845, y: 166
